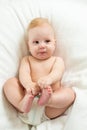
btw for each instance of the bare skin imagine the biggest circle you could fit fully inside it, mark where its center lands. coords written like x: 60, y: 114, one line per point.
x: 19, y: 96
x: 40, y: 73
x: 59, y: 98
x: 44, y: 77
x: 45, y: 96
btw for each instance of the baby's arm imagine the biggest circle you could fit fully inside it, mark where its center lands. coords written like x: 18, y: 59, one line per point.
x: 57, y: 70
x: 55, y: 74
x: 25, y: 77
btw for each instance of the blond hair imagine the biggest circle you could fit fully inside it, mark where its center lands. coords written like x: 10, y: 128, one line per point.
x: 37, y: 22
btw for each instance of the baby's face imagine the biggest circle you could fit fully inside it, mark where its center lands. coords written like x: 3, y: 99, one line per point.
x: 41, y: 41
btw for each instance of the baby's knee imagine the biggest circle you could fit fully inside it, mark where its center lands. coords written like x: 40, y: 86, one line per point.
x: 9, y: 83
x: 70, y: 94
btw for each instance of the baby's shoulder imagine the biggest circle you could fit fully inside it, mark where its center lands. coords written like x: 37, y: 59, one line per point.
x: 25, y: 58
x: 57, y: 58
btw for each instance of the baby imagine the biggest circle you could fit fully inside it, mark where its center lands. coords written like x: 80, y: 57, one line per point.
x: 40, y: 74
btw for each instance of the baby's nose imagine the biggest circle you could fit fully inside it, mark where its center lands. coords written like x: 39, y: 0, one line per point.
x: 42, y: 45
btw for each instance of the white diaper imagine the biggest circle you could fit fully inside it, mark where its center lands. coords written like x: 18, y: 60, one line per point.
x: 35, y: 116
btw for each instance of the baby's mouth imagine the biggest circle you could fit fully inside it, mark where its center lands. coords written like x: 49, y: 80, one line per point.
x: 42, y: 51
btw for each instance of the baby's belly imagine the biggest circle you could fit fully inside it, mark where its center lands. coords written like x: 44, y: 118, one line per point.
x: 36, y: 77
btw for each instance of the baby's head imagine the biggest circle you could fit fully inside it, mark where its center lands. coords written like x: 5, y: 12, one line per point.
x: 41, y: 38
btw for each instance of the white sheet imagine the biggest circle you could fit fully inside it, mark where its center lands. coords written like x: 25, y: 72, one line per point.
x: 74, y: 119
x: 70, y: 23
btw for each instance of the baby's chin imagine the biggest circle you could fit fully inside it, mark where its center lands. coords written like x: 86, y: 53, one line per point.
x: 41, y: 58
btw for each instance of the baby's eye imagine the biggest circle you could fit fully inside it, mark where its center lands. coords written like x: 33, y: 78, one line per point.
x: 47, y: 41
x: 36, y: 42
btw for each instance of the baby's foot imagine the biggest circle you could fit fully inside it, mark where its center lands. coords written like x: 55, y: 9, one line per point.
x: 45, y: 95
x: 26, y: 103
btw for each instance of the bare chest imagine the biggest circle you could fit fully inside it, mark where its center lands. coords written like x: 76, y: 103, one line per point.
x: 40, y: 69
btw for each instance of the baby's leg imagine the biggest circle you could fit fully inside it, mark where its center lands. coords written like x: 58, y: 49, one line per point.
x: 15, y: 94
x: 59, y: 102
x: 45, y: 95
x: 26, y: 102
x: 62, y: 97
x: 53, y: 113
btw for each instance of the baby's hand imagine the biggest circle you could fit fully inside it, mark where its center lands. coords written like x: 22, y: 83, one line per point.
x: 31, y: 89
x: 44, y: 82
